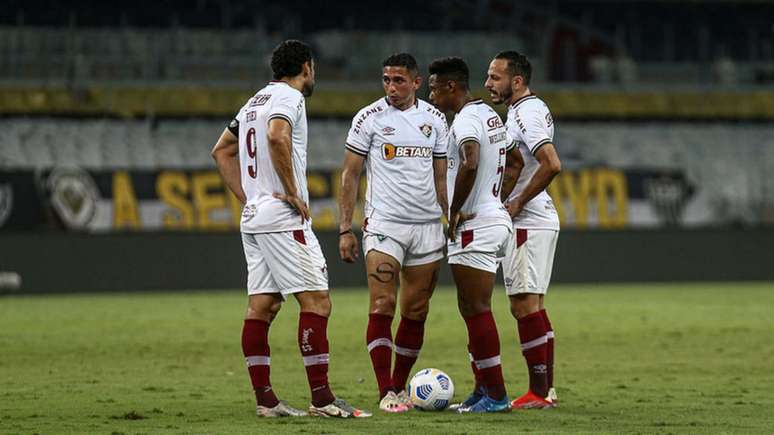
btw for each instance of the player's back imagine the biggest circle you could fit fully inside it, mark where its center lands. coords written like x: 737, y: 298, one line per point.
x: 480, y: 123
x: 531, y: 125
x: 262, y: 212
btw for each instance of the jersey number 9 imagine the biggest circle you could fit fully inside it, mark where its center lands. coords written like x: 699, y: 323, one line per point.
x: 252, y: 152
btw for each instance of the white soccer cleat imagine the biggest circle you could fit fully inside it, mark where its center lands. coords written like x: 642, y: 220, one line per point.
x: 337, y: 408
x: 391, y: 403
x: 404, y: 398
x: 281, y: 410
x: 552, y: 396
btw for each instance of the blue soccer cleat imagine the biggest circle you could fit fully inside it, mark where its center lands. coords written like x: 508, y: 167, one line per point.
x: 487, y: 404
x: 474, y: 397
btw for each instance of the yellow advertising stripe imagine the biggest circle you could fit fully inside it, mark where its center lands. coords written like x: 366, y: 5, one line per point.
x: 199, y: 101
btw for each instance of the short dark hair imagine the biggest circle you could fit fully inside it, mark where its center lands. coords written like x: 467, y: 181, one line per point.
x: 451, y: 68
x: 518, y: 65
x: 402, y: 59
x: 289, y: 57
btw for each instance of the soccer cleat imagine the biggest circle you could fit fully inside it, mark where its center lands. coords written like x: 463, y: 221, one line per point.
x: 337, y: 408
x: 281, y: 410
x: 487, y: 404
x: 552, y: 396
x: 391, y: 403
x: 474, y: 397
x: 404, y: 398
x: 531, y: 401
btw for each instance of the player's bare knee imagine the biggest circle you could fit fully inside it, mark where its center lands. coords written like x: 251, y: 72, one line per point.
x: 524, y: 304
x: 416, y: 310
x: 263, y: 307
x: 261, y: 313
x: 470, y: 305
x: 318, y: 302
x: 274, y: 308
x: 383, y: 303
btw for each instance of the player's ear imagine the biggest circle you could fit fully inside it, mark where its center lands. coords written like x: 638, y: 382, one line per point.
x: 417, y: 82
x: 307, y: 68
x: 516, y: 82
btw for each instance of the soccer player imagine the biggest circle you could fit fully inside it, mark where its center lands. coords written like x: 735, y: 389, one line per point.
x: 528, y: 264
x: 269, y: 136
x: 479, y: 225
x: 401, y: 140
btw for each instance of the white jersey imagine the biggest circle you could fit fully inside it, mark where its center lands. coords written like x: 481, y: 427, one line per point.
x: 399, y: 147
x: 262, y: 212
x: 531, y: 125
x: 480, y: 123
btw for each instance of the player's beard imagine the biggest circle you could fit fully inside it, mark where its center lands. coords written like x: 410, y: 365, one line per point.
x: 307, y: 90
x: 505, y: 95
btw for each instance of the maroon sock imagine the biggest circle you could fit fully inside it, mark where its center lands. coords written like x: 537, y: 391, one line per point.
x: 408, y: 342
x: 549, y: 350
x: 255, y: 347
x: 313, y: 342
x: 485, y: 348
x: 379, y: 340
x: 532, y: 333
x: 474, y: 369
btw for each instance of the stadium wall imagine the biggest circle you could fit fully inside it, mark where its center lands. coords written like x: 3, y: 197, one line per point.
x: 67, y: 262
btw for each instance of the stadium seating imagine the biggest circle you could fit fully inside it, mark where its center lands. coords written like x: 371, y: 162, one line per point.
x: 729, y: 160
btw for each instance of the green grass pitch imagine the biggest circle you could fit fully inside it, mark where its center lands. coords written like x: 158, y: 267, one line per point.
x: 688, y: 358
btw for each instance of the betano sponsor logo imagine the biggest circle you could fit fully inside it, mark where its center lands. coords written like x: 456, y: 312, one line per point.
x: 390, y: 151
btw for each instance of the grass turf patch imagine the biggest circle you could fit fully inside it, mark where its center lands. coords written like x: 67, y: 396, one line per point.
x: 687, y: 358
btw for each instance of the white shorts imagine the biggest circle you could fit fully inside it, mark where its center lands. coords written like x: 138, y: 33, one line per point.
x: 410, y: 244
x: 480, y: 248
x: 285, y: 262
x: 530, y: 259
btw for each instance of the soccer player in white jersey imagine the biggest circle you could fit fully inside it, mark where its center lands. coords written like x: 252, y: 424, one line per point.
x: 401, y: 140
x: 479, y: 225
x: 527, y: 267
x: 269, y: 136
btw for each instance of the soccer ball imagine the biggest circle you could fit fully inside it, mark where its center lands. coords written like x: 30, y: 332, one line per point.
x: 431, y: 390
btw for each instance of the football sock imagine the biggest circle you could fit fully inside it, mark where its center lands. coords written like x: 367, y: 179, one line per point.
x: 476, y: 373
x: 485, y: 348
x: 313, y: 342
x: 549, y: 350
x: 532, y: 333
x: 408, y: 342
x: 255, y: 347
x: 379, y: 339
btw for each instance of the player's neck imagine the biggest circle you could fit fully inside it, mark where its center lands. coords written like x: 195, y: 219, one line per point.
x: 296, y: 83
x: 407, y: 104
x: 518, y: 96
x: 462, y: 101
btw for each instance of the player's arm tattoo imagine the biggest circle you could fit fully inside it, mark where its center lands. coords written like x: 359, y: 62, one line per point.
x: 384, y: 273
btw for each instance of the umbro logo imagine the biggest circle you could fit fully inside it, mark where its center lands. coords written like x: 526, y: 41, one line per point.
x: 388, y: 131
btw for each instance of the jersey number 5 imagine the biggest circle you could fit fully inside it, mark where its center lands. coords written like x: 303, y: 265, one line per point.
x: 252, y: 152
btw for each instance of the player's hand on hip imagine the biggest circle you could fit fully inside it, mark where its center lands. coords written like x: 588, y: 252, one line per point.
x: 514, y: 208
x: 348, y: 248
x: 297, y: 203
x: 456, y: 220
